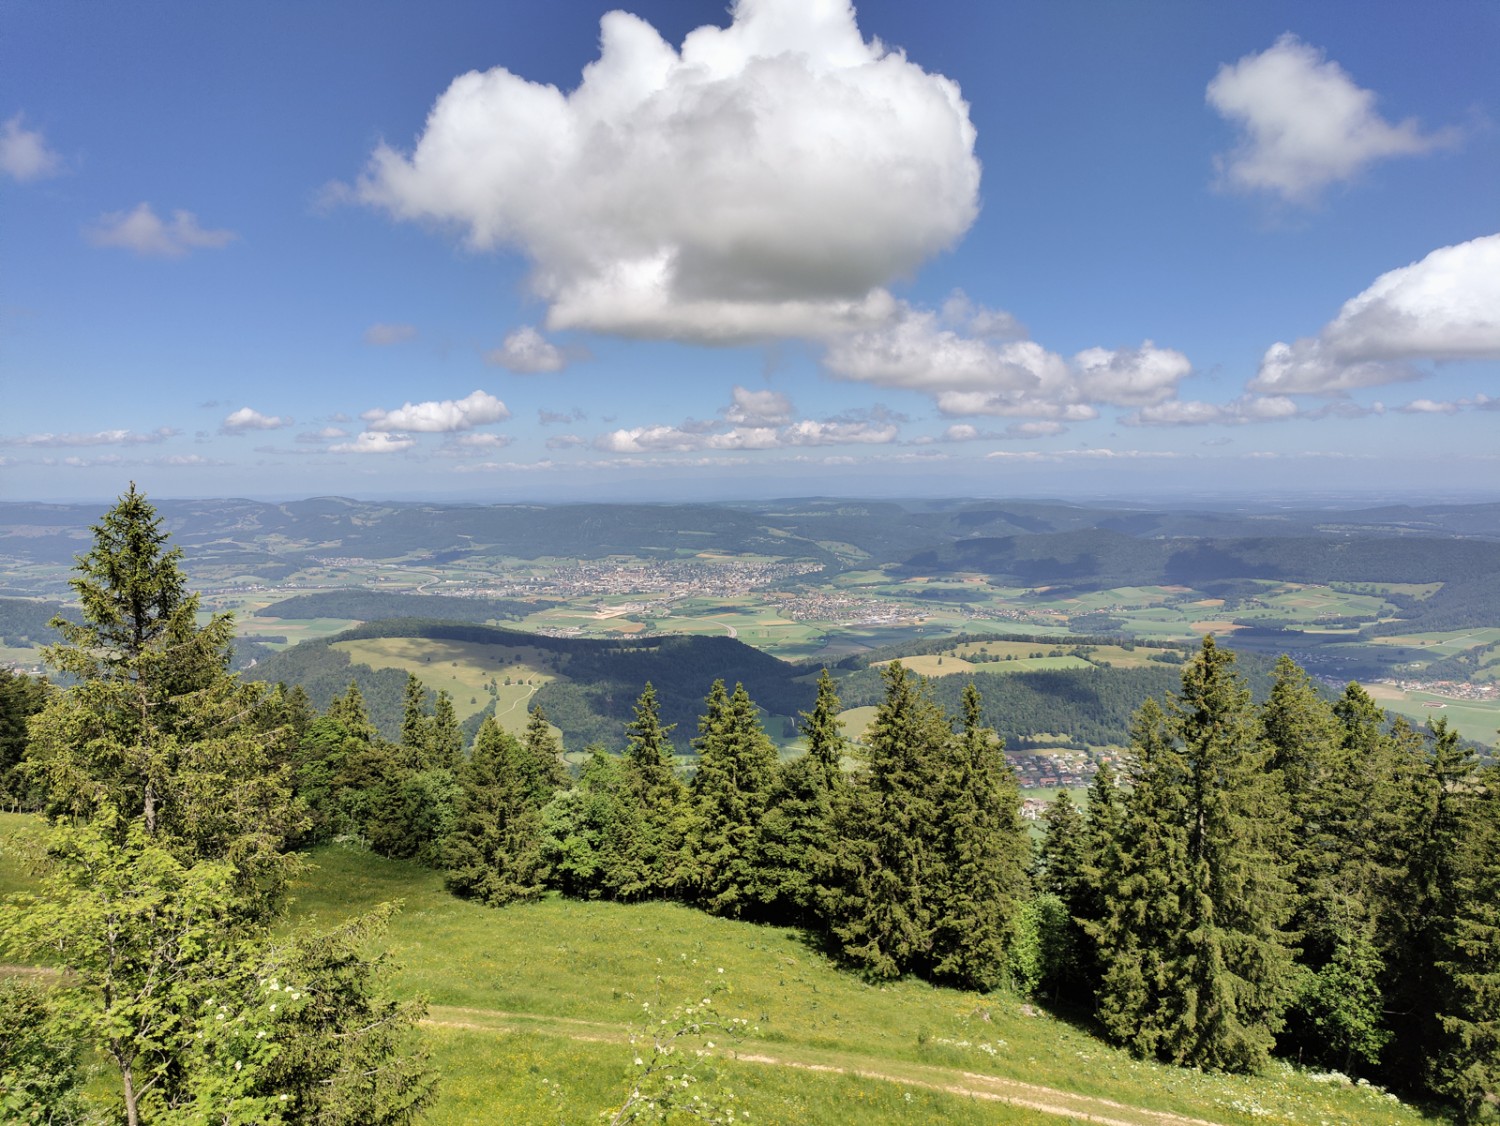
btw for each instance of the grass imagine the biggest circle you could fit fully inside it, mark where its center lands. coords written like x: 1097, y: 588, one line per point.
x: 532, y: 1005
x: 464, y: 670
x: 537, y: 967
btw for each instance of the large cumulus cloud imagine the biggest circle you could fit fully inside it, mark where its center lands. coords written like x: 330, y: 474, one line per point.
x: 1444, y: 307
x: 767, y: 179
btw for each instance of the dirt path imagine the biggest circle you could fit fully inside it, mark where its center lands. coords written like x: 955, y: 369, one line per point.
x: 953, y: 1081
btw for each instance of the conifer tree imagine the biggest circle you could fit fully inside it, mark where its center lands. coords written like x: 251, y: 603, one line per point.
x: 983, y: 854
x: 731, y: 793
x: 1197, y: 962
x: 171, y: 816
x: 447, y: 736
x: 493, y: 853
x: 797, y: 837
x: 416, y: 726
x: 1468, y: 1066
x: 1430, y: 899
x: 542, y: 764
x: 890, y: 855
x: 1336, y: 1017
x: 643, y: 850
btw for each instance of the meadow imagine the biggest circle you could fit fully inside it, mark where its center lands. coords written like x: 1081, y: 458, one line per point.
x: 532, y: 1007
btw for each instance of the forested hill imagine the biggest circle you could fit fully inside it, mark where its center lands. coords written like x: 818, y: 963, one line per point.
x: 598, y: 683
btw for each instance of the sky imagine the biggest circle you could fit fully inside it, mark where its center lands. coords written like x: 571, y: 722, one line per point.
x: 514, y: 252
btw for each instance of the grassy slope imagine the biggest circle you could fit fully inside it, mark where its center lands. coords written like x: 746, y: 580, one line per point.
x: 509, y: 987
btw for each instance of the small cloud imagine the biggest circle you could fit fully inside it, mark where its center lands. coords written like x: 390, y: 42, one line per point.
x: 1304, y: 123
x: 375, y: 443
x: 144, y: 233
x: 385, y: 335
x: 97, y: 438
x: 554, y: 418
x: 327, y: 434
x: 1247, y: 408
x: 527, y: 352
x: 440, y: 416
x: 565, y: 442
x: 757, y: 408
x: 481, y: 441
x: 177, y: 461
x: 245, y: 419
x: 24, y: 154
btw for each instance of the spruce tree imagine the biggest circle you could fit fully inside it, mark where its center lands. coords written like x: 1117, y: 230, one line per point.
x: 1336, y: 1018
x: 890, y: 858
x: 984, y: 852
x: 644, y: 847
x: 1467, y: 1068
x: 542, y: 763
x: 493, y: 853
x: 1197, y: 961
x: 797, y: 837
x: 447, y: 736
x: 731, y: 792
x: 416, y: 726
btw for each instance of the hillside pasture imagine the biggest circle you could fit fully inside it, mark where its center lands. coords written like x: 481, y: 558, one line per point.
x: 464, y: 670
x: 550, y: 990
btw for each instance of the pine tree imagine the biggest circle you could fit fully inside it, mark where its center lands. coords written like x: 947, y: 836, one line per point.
x: 1197, y: 963
x: 167, y: 785
x: 153, y: 726
x: 731, y: 791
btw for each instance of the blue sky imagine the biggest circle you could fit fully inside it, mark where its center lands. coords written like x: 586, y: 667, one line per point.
x: 503, y: 251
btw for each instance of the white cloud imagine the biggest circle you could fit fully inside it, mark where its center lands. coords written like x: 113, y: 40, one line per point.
x: 481, y: 441
x: 177, y: 461
x: 1445, y: 307
x: 145, y: 233
x: 245, y: 419
x: 680, y: 439
x: 1480, y: 402
x: 326, y: 434
x: 810, y: 433
x: 526, y: 351
x: 565, y: 442
x: 96, y: 438
x: 375, y: 443
x: 757, y: 408
x: 24, y: 155
x: 478, y: 408
x: 384, y: 335
x: 506, y: 467
x: 971, y: 375
x: 767, y: 180
x: 1247, y: 408
x: 1304, y: 123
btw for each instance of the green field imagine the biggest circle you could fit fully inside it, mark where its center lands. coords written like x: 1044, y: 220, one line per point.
x: 1473, y: 719
x: 465, y: 670
x: 531, y: 1008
